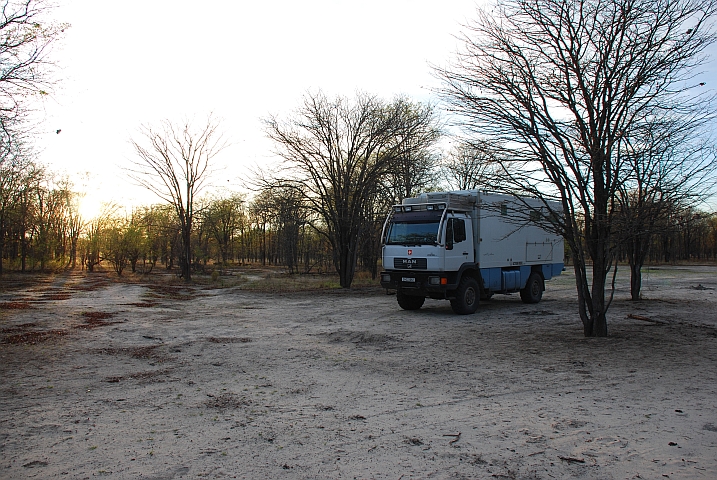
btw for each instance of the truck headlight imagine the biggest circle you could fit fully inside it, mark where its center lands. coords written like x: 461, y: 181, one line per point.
x: 385, y: 278
x: 434, y: 280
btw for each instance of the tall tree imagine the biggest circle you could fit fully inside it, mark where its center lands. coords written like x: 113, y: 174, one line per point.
x: 561, y: 83
x: 413, y: 171
x: 93, y: 245
x: 336, y: 154
x: 669, y: 166
x: 471, y: 164
x: 223, y: 218
x: 13, y: 178
x: 174, y: 163
x: 25, y: 42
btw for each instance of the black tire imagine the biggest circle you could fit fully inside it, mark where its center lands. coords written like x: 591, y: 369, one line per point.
x: 467, y: 297
x: 533, y: 291
x: 409, y: 302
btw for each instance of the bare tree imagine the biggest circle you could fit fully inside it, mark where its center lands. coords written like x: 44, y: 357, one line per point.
x: 93, y: 245
x: 14, y: 168
x: 561, y: 83
x: 415, y: 170
x: 116, y: 244
x: 336, y: 154
x: 669, y: 166
x: 25, y: 42
x: 471, y: 164
x: 223, y: 218
x: 160, y: 225
x: 288, y: 216
x: 174, y: 163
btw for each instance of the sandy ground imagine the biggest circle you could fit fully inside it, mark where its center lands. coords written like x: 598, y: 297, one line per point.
x: 101, y: 378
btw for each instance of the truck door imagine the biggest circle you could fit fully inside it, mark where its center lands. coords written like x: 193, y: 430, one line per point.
x: 458, y: 242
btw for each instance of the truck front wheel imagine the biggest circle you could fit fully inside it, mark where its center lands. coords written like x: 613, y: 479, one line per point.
x: 409, y: 302
x: 533, y: 291
x: 467, y: 297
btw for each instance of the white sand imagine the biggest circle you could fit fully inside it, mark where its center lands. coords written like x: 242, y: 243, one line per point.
x: 230, y: 384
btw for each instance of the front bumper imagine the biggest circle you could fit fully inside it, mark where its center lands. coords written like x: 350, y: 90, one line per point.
x: 420, y: 283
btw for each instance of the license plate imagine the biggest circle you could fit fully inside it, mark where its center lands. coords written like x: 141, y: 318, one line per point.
x: 408, y: 279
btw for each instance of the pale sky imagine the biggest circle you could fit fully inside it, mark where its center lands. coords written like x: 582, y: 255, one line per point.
x: 134, y: 62
x: 125, y: 64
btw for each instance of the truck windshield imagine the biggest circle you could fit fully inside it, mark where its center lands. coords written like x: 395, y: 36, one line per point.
x: 413, y: 232
x: 414, y: 228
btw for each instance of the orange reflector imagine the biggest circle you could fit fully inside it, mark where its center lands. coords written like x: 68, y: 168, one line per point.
x: 444, y: 281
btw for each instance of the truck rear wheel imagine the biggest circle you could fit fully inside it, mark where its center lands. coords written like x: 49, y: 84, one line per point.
x: 467, y: 297
x: 533, y: 291
x: 409, y: 302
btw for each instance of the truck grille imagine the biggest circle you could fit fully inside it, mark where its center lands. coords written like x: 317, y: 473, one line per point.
x: 410, y: 263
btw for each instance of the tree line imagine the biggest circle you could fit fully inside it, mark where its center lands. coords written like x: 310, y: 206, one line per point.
x: 41, y: 228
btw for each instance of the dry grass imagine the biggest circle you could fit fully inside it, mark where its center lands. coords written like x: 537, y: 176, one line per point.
x: 278, y: 281
x: 95, y: 319
x: 140, y: 352
x: 34, y: 337
x: 172, y: 292
x: 15, y: 306
x: 284, y: 283
x: 56, y: 296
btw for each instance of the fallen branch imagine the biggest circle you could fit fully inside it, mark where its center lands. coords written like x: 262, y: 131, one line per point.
x: 457, y: 435
x: 644, y: 319
x: 572, y: 459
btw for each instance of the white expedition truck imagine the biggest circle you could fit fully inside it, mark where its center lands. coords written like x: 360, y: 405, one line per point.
x: 465, y: 245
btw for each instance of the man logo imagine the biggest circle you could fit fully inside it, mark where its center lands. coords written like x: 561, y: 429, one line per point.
x: 410, y: 252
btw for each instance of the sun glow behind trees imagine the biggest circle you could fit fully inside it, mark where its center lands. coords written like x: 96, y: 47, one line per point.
x: 249, y: 60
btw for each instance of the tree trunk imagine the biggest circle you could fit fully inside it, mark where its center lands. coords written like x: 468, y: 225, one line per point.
x: 346, y: 261
x: 636, y: 259
x: 23, y: 251
x: 73, y: 252
x: 347, y: 267
x: 186, y: 261
x: 591, y: 299
x: 581, y: 285
x: 600, y: 258
x: 599, y: 319
x: 635, y: 280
